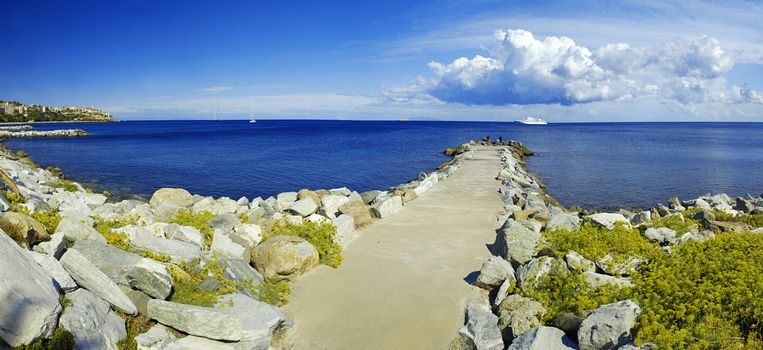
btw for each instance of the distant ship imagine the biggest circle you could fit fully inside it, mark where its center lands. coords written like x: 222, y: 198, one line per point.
x: 251, y: 106
x: 532, y: 121
x: 403, y: 120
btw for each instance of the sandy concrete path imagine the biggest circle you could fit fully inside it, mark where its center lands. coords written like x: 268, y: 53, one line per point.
x: 401, y: 285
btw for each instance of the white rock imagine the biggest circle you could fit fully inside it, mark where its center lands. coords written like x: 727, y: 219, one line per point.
x: 260, y: 320
x: 609, y: 327
x: 186, y: 234
x: 543, y: 338
x: 387, y: 207
x: 660, y: 234
x: 156, y: 338
x: 176, y: 196
x: 331, y: 203
x: 317, y: 218
x: 345, y: 229
x: 29, y: 308
x: 61, y: 278
x: 92, y: 322
x: 177, y: 251
x: 608, y: 220
x: 197, y: 343
x: 75, y: 230
x: 494, y: 272
x: 91, y: 278
x: 247, y: 235
x: 304, y: 207
x: 577, y: 262
x: 224, y: 247
x: 54, y: 247
x: 196, y: 320
x: 599, y: 279
x: 481, y: 330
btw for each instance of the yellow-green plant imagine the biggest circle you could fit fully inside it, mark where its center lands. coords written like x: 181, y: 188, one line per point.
x: 60, y: 340
x: 594, y: 242
x: 754, y: 220
x: 107, y: 229
x: 273, y: 291
x: 135, y: 325
x: 66, y: 185
x: 679, y: 223
x: 320, y: 235
x: 198, y: 220
x: 48, y: 218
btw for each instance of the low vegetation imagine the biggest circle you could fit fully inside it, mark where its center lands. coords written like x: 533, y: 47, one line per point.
x: 320, y: 235
x: 60, y: 340
x: 753, y: 220
x: 135, y: 325
x: 107, y: 228
x: 67, y: 185
x: 676, y: 222
x: 273, y: 291
x: 198, y: 220
x: 594, y: 242
x: 48, y: 218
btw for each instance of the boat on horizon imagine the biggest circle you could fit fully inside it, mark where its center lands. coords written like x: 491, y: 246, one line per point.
x: 251, y: 107
x: 532, y: 121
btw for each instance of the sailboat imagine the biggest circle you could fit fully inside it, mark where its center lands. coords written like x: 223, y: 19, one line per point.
x: 217, y: 104
x: 251, y: 106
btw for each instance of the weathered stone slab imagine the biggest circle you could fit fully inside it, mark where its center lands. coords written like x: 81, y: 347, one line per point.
x: 91, y: 321
x: 196, y: 320
x: 90, y: 277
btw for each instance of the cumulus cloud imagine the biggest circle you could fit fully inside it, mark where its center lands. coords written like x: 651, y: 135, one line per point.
x: 521, y: 69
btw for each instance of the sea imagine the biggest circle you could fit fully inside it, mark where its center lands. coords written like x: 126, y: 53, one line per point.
x: 593, y: 165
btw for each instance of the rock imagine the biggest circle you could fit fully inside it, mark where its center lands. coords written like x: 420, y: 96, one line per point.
x: 641, y: 217
x: 516, y: 243
x: 517, y: 314
x: 743, y: 205
x: 184, y: 234
x: 138, y: 298
x: 75, y: 230
x: 92, y: 322
x: 23, y: 229
x: 220, y: 206
x: 284, y: 256
x: 54, y: 247
x: 543, y: 338
x: 619, y: 266
x: 494, y: 272
x: 5, y: 204
x: 224, y: 247
x: 318, y: 219
x: 331, y: 203
x: 156, y: 338
x: 195, y: 343
x: 359, y: 213
x: 239, y: 271
x: 305, y: 193
x: 248, y: 235
x: 294, y: 219
x: 285, y: 199
x: 608, y: 220
x: 90, y: 277
x: 196, y: 320
x: 577, y: 262
x: 304, y: 207
x: 730, y: 226
x: 345, y: 229
x: 129, y: 269
x: 481, y: 330
x: 609, y: 327
x: 166, y: 212
x: 598, y: 279
x: 564, y: 221
x: 177, y: 251
x: 530, y: 274
x: 29, y: 308
x: 260, y: 320
x: 342, y: 191
x: 661, y: 234
x: 61, y: 278
x: 369, y: 196
x: 176, y: 196
x: 386, y: 207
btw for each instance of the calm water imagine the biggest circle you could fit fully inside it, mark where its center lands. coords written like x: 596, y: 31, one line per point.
x: 593, y: 165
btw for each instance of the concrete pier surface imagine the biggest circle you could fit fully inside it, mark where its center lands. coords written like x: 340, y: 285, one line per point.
x: 402, y: 284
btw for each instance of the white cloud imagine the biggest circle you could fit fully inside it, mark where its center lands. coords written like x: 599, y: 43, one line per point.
x: 521, y: 69
x: 216, y: 89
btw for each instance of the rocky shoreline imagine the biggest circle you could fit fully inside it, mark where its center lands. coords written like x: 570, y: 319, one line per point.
x: 533, y: 273
x: 23, y: 131
x: 178, y: 271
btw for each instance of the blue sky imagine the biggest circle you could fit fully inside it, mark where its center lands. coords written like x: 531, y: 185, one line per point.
x: 447, y: 59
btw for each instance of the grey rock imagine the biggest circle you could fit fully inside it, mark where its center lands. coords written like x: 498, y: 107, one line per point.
x: 641, y: 217
x: 330, y: 204
x: 609, y: 326
x: 304, y: 207
x: 176, y: 196
x: 138, y: 298
x: 516, y: 243
x: 177, y: 251
x: 342, y: 191
x: 61, y: 278
x: 75, y: 230
x: 577, y: 262
x: 387, y: 207
x: 239, y: 271
x: 619, y: 266
x: 660, y: 234
x: 196, y: 320
x: 345, y: 228
x: 29, y: 308
x: 481, y: 330
x: 608, y: 220
x: 156, y: 338
x: 285, y: 199
x: 184, y: 234
x: 564, y: 221
x: 91, y: 321
x: 494, y: 272
x: 260, y: 320
x: 197, y: 343
x: 223, y: 246
x: 530, y: 274
x: 284, y: 256
x: 90, y: 277
x: 129, y: 269
x: 54, y: 247
x: 543, y: 338
x: 598, y: 279
x: 518, y: 314
x: 743, y: 205
x: 369, y: 196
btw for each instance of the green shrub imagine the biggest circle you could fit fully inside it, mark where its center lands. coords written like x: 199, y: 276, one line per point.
x: 60, y: 340
x: 48, y: 218
x: 188, y: 278
x: 754, y: 220
x: 66, y: 185
x: 320, y: 235
x: 13, y: 197
x: 273, y: 291
x: 706, y: 295
x: 571, y: 292
x: 679, y: 223
x: 107, y: 229
x: 594, y: 243
x: 135, y: 325
x: 197, y: 220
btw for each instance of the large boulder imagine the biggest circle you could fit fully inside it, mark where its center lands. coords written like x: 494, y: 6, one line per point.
x: 345, y: 229
x: 241, y: 272
x: 617, y: 265
x: 54, y: 247
x: 304, y: 207
x: 518, y: 314
x: 129, y: 269
x: 481, y: 330
x: 176, y: 196
x: 260, y: 320
x: 543, y: 338
x: 330, y: 204
x: 29, y: 308
x: 75, y: 230
x: 660, y: 234
x: 90, y: 277
x: 61, y: 278
x: 577, y: 262
x: 156, y: 338
x: 563, y: 221
x: 284, y: 256
x: 609, y: 327
x: 359, y: 213
x: 216, y: 206
x: 91, y: 321
x: 530, y: 274
x: 25, y: 230
x: 205, y: 322
x: 516, y: 242
x: 193, y: 343
x: 225, y: 247
x: 494, y: 272
x: 386, y: 207
x: 608, y: 220
x: 186, y: 234
x: 177, y: 251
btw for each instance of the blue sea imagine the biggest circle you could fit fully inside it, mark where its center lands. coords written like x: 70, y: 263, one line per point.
x: 594, y: 165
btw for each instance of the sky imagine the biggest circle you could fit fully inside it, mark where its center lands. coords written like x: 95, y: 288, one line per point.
x: 565, y: 61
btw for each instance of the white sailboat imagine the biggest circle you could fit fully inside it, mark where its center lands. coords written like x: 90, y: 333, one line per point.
x: 532, y: 121
x: 251, y: 106
x: 214, y: 117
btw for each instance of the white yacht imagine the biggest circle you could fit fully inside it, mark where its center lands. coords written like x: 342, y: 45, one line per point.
x: 532, y: 121
x: 251, y: 106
